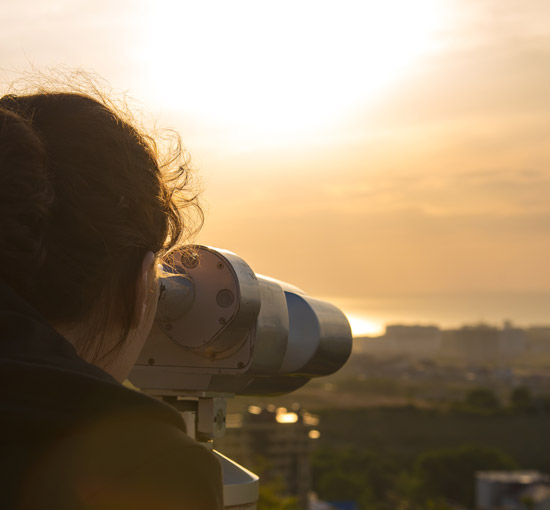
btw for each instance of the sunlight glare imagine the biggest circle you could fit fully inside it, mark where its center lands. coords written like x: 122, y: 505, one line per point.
x: 362, y: 326
x: 285, y: 67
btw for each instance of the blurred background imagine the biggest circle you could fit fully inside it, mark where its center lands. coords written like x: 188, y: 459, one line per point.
x: 392, y: 157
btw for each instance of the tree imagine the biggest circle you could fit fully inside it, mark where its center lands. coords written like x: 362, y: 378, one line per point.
x: 273, y: 494
x: 347, y: 474
x: 521, y: 398
x: 482, y: 399
x: 449, y: 473
x: 272, y: 497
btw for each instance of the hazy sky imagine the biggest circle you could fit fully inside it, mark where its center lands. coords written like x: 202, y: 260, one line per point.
x: 361, y: 150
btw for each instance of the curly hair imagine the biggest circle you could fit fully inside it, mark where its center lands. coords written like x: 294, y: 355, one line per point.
x: 84, y: 195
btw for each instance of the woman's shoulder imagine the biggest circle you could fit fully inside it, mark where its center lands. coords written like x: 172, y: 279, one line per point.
x: 72, y: 437
x: 128, y: 462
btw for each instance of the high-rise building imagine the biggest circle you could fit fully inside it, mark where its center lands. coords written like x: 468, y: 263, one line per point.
x: 474, y: 343
x: 276, y: 442
x: 399, y: 339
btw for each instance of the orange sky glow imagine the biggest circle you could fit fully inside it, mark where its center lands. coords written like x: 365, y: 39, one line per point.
x: 392, y: 157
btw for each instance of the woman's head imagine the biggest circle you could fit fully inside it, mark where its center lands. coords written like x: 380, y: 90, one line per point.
x: 83, y: 200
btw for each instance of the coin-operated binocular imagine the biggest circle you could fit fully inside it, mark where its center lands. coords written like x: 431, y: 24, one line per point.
x: 221, y: 330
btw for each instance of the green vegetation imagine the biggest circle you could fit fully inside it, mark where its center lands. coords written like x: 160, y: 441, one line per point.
x: 482, y: 399
x: 407, y: 432
x: 449, y: 474
x: 521, y: 399
x: 478, y: 401
x: 436, y: 480
x: 426, y: 459
x: 355, y: 475
x: 413, y: 437
x: 272, y: 488
x: 272, y: 497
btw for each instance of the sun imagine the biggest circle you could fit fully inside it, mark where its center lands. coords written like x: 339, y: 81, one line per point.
x: 280, y: 68
x: 363, y: 326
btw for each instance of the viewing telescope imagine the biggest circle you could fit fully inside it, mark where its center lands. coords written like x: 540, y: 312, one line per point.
x: 222, y: 329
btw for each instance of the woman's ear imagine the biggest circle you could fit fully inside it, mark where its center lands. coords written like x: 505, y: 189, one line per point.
x: 143, y: 284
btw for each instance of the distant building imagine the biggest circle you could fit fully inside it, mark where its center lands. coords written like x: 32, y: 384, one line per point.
x: 415, y: 341
x: 371, y: 345
x: 473, y: 343
x: 512, y: 490
x: 484, y: 343
x: 538, y: 339
x: 512, y: 341
x: 276, y: 437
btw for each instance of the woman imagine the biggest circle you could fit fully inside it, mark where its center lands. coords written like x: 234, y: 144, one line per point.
x: 86, y: 209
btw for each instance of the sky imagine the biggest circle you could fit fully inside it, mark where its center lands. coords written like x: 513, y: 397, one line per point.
x: 392, y: 157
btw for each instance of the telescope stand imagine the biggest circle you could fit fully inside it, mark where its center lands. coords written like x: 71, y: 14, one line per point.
x: 204, y: 417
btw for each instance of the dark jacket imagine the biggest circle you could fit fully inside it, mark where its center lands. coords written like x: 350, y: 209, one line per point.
x: 71, y: 437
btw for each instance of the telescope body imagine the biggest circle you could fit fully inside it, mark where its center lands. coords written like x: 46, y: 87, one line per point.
x: 222, y: 329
